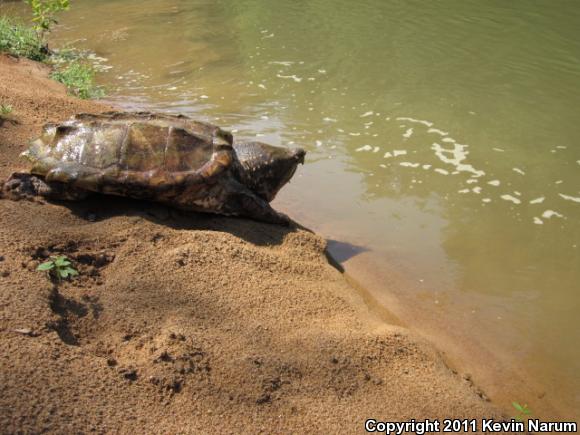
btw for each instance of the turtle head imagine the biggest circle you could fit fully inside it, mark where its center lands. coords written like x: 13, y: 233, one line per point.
x: 264, y: 168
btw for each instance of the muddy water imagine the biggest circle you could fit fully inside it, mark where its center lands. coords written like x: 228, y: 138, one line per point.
x: 444, y: 151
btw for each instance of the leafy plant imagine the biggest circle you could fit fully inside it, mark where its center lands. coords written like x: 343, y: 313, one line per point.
x: 59, y: 267
x: 43, y: 14
x: 5, y: 109
x: 79, y: 78
x: 523, y: 411
x: 74, y: 68
x: 20, y: 40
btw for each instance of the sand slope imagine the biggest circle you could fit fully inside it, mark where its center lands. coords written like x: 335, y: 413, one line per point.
x: 188, y: 323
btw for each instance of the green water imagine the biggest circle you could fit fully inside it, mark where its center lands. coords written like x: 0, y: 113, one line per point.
x: 443, y: 137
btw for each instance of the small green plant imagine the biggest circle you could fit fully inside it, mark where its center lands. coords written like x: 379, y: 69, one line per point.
x: 5, y: 109
x: 79, y: 78
x: 44, y: 13
x: 74, y: 68
x: 58, y: 267
x: 523, y: 411
x: 20, y: 40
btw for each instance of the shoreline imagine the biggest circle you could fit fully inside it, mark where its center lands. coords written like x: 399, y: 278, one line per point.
x: 502, y: 378
x: 180, y: 324
x: 477, y: 346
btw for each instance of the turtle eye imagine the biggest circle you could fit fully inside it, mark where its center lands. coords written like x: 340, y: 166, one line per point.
x: 227, y: 136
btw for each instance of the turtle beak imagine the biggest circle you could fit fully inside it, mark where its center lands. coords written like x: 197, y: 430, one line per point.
x: 265, y: 169
x: 299, y: 154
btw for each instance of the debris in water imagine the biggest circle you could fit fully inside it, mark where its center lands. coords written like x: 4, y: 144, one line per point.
x: 538, y: 200
x: 511, y: 198
x: 569, y: 198
x: 437, y: 131
x: 519, y: 171
x: 418, y: 121
x: 283, y: 63
x: 395, y: 153
x: 549, y: 214
x: 457, y: 155
x: 293, y: 77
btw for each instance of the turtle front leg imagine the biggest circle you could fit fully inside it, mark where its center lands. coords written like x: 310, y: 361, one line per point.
x: 22, y: 185
x: 256, y: 208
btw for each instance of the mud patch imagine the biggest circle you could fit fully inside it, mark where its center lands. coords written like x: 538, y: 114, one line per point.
x: 171, y: 362
x: 276, y: 379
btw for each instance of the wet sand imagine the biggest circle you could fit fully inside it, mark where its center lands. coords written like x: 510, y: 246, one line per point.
x: 188, y: 323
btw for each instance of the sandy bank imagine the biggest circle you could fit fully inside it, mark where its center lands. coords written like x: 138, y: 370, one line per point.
x: 186, y: 323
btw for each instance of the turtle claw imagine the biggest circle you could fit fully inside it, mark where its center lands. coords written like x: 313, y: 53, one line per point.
x: 256, y: 208
x: 22, y: 185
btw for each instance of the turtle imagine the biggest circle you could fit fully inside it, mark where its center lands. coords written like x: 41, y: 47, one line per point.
x: 170, y: 159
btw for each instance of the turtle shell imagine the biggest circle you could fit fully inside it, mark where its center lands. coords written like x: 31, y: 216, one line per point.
x: 108, y: 152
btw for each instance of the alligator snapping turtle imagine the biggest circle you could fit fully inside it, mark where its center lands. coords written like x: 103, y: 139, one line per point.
x: 170, y: 159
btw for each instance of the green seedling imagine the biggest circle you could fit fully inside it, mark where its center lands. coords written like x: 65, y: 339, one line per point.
x: 78, y: 77
x: 44, y: 13
x: 5, y: 110
x: 523, y: 411
x: 58, y: 267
